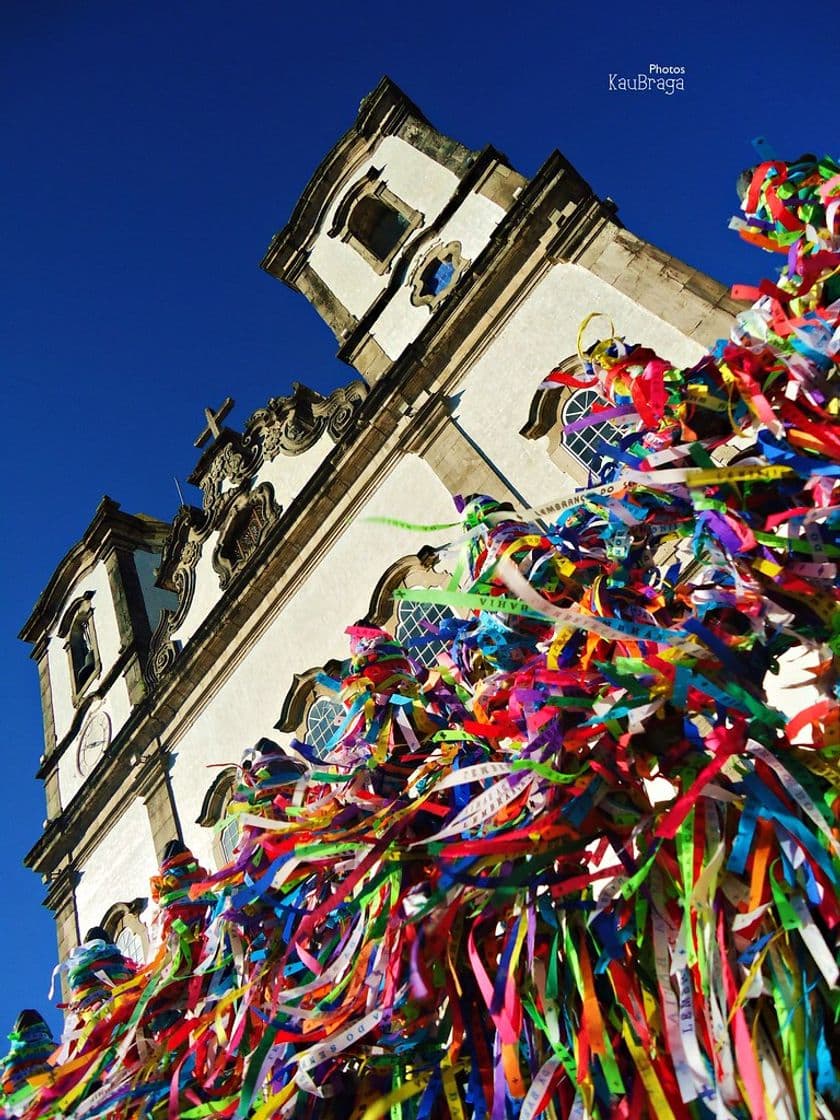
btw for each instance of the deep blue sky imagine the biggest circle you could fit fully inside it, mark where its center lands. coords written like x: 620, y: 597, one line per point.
x: 151, y: 149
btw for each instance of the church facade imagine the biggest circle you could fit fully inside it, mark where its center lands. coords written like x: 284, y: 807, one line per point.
x: 452, y: 285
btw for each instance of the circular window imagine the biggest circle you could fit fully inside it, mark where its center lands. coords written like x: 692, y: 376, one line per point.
x: 440, y: 269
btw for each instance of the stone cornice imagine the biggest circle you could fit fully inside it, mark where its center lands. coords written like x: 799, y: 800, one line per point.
x: 110, y: 527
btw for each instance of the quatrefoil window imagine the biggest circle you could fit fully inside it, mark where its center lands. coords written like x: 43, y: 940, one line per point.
x: 436, y: 274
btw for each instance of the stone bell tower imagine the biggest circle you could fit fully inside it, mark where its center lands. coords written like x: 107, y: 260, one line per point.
x: 90, y: 633
x: 392, y: 219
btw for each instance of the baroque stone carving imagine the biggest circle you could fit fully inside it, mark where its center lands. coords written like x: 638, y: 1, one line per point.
x: 291, y: 425
x: 436, y: 274
x: 240, y: 512
x: 247, y: 522
x: 225, y: 469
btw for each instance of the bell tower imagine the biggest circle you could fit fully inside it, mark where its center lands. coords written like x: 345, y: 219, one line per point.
x: 90, y: 633
x: 392, y: 220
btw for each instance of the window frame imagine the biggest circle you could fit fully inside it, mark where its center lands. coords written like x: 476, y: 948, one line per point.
x: 316, y: 697
x: 413, y: 571
x: 416, y: 651
x: 214, y: 810
x: 80, y: 614
x: 373, y: 186
x: 126, y: 915
x: 600, y: 431
x: 546, y: 418
x: 306, y: 689
x: 452, y: 252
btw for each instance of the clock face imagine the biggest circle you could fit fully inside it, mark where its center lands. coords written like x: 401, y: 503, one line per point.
x: 93, y: 742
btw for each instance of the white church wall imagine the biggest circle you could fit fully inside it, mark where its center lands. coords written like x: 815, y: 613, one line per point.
x: 417, y: 180
x: 308, y: 632
x: 471, y: 224
x: 123, y: 860
x: 346, y: 273
x: 207, y: 592
x: 107, y: 641
x: 494, y: 398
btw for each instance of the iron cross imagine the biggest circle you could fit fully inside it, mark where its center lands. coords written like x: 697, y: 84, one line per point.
x: 213, y: 431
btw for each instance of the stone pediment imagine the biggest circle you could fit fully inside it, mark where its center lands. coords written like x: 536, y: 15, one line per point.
x: 238, y: 508
x: 285, y: 426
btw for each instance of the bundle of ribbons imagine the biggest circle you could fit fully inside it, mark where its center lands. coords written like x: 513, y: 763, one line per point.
x: 585, y: 866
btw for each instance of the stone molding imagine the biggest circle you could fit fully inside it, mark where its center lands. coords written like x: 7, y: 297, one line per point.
x: 62, y: 884
x: 304, y: 690
x: 153, y: 785
x: 547, y: 404
x: 373, y: 185
x: 451, y: 252
x: 258, y: 508
x: 216, y: 796
x: 226, y: 473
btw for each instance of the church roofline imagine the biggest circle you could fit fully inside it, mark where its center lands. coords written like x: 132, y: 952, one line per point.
x: 110, y: 524
x: 383, y: 112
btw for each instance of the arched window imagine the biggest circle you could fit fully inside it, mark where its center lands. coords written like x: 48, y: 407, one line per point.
x: 377, y: 226
x: 123, y: 926
x: 555, y: 407
x: 130, y: 943
x: 81, y: 651
x: 323, y: 719
x: 312, y: 711
x: 214, y: 812
x: 374, y: 221
x: 405, y: 619
x: 583, y: 444
x: 80, y: 642
x: 228, y: 835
